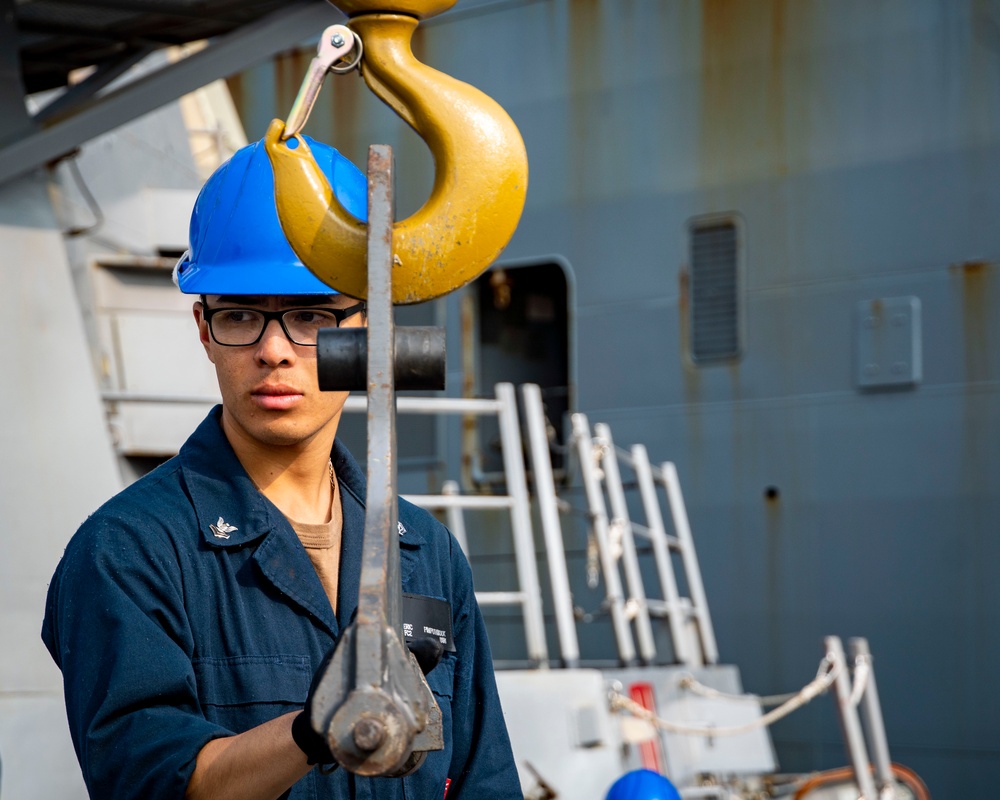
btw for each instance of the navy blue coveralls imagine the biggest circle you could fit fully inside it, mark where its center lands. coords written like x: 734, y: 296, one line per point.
x: 170, y: 634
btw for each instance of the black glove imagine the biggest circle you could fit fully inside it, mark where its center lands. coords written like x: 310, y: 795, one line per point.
x: 427, y: 650
x: 313, y: 744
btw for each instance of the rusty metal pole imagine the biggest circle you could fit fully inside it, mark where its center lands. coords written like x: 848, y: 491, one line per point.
x: 373, y: 704
x: 379, y: 595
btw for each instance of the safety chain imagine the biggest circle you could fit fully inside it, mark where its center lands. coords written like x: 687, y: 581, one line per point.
x: 827, y: 673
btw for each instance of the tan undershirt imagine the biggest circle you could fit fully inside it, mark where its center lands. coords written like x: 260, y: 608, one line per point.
x: 322, y: 544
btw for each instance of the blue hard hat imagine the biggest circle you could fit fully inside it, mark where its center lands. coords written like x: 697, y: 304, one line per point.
x: 237, y: 245
x: 642, y: 784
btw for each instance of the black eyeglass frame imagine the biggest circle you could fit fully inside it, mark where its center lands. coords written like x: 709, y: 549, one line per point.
x: 339, y: 314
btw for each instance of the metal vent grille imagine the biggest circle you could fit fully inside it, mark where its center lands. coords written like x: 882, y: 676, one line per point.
x: 714, y: 292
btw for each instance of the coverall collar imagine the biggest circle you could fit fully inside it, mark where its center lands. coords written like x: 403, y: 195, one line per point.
x: 232, y: 512
x: 224, y: 496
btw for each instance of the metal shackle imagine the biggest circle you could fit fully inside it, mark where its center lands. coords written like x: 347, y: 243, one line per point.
x: 480, y: 171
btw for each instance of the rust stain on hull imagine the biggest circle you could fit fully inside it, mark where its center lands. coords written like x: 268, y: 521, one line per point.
x: 692, y: 378
x: 583, y: 80
x: 976, y: 284
x: 775, y: 546
x: 755, y: 94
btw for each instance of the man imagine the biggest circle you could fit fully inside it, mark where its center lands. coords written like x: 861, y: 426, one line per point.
x: 190, y: 614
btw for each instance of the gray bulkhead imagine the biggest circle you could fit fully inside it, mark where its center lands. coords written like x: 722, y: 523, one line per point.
x: 857, y: 146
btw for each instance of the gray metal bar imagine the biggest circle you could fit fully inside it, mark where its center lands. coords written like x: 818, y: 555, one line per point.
x: 47, y: 30
x: 685, y: 649
x: 501, y: 598
x: 456, y: 519
x: 379, y: 598
x: 648, y: 533
x: 599, y: 524
x: 133, y: 397
x: 134, y: 262
x: 14, y: 117
x: 431, y: 405
x: 555, y: 551
x: 83, y: 91
x: 241, y: 48
x: 472, y: 502
x: 628, y: 457
x: 849, y: 722
x: 174, y: 9
x: 630, y: 559
x: 520, y: 518
x: 663, y: 608
x: 871, y: 718
x: 372, y: 702
x: 682, y: 527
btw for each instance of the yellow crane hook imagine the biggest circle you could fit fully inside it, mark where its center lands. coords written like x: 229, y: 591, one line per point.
x: 480, y: 170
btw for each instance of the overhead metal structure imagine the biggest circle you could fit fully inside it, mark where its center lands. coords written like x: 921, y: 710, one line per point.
x: 54, y: 38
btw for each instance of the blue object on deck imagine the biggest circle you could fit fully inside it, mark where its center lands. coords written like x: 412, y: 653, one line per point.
x: 642, y: 784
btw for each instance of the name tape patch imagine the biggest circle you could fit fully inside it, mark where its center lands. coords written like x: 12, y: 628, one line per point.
x: 427, y: 616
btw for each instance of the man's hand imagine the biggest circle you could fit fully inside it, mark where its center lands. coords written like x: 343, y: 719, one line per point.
x: 426, y: 650
x: 259, y: 764
x: 310, y: 742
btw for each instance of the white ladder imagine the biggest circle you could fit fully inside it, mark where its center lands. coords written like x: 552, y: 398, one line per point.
x: 690, y: 623
x: 528, y: 595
